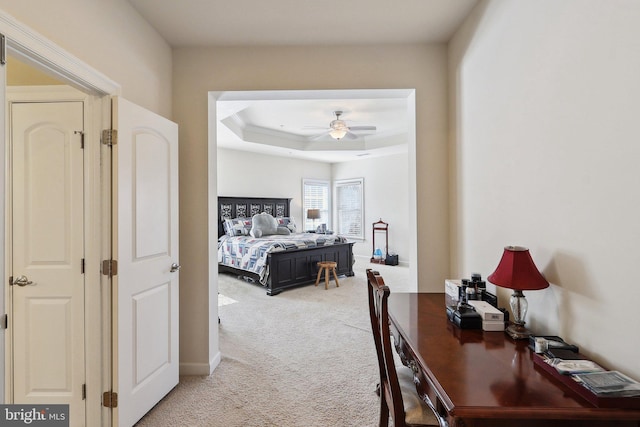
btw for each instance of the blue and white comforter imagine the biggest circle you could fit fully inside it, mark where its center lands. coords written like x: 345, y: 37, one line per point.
x: 250, y: 253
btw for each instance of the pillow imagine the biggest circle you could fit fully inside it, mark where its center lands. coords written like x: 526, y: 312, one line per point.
x: 264, y: 224
x: 237, y: 226
x: 287, y: 222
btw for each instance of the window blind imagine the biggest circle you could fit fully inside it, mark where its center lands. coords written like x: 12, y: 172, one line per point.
x: 349, y: 207
x: 316, y: 195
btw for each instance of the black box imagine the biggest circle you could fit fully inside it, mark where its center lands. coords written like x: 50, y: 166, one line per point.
x: 464, y: 318
x: 489, y: 297
x: 391, y: 260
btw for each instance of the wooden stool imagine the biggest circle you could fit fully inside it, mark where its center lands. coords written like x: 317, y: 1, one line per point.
x: 327, y: 267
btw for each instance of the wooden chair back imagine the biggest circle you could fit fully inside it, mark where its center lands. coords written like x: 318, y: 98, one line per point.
x: 390, y: 393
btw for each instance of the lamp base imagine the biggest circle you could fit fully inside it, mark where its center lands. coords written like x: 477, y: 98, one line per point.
x: 517, y: 332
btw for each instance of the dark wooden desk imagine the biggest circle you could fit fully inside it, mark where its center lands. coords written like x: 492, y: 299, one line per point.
x: 477, y: 378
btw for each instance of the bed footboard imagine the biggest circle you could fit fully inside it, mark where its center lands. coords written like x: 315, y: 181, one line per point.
x: 288, y: 269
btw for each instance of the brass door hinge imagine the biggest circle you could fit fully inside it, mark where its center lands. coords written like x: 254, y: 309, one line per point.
x: 110, y: 267
x: 109, y: 136
x: 110, y: 399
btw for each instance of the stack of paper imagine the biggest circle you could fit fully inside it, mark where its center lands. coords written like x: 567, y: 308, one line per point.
x: 610, y: 384
x: 574, y: 366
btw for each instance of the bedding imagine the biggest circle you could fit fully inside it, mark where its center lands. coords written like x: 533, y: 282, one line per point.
x: 250, y: 253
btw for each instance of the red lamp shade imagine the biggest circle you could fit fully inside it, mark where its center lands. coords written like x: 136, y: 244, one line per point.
x: 516, y: 270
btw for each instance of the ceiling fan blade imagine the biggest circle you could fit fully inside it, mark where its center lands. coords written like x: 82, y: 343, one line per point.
x: 357, y: 128
x: 350, y: 135
x: 319, y: 136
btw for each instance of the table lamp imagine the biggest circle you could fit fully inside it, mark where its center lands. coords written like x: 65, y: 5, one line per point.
x: 517, y: 271
x: 313, y: 214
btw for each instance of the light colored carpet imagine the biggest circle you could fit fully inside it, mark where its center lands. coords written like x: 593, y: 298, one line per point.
x: 302, y: 358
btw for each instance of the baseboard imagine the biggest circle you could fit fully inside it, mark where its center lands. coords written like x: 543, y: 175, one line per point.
x: 214, y: 362
x: 365, y: 259
x: 200, y: 369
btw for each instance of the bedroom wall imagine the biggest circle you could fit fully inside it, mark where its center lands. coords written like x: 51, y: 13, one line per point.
x: 386, y: 196
x: 111, y: 37
x: 545, y: 153
x: 241, y: 173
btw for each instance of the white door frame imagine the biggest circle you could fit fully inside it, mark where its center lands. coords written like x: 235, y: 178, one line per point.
x: 92, y: 344
x: 37, y: 51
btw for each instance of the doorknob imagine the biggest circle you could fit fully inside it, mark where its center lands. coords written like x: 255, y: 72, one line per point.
x: 22, y: 281
x: 174, y: 267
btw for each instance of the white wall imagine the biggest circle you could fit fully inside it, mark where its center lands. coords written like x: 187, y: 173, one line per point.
x: 198, y: 71
x: 545, y: 152
x: 111, y: 37
x: 241, y: 173
x: 386, y: 196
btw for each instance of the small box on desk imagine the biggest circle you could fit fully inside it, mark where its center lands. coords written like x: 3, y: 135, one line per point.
x: 487, y: 311
x: 553, y: 342
x: 464, y: 318
x: 453, y: 288
x: 493, y: 325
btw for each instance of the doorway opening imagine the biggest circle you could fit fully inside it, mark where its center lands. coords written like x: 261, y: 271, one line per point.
x: 234, y: 113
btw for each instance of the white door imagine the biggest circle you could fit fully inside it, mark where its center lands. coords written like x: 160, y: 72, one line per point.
x: 3, y: 238
x: 146, y: 246
x: 47, y: 251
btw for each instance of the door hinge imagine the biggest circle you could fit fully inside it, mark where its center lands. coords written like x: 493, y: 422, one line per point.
x: 10, y: 280
x: 82, y: 266
x: 81, y: 137
x: 84, y: 391
x: 5, y: 321
x: 110, y: 267
x: 3, y: 49
x: 109, y: 136
x: 110, y: 399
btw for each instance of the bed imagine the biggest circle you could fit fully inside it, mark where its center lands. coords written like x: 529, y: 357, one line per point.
x: 276, y: 262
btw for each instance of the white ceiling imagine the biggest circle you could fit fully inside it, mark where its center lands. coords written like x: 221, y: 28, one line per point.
x: 303, y: 22
x: 296, y: 123
x: 287, y: 123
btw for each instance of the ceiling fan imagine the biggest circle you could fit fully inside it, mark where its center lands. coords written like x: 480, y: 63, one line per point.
x: 338, y: 129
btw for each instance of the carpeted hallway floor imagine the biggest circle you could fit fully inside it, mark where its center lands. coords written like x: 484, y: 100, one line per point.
x: 302, y: 358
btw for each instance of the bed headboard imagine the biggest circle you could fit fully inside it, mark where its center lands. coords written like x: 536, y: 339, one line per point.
x: 247, y: 207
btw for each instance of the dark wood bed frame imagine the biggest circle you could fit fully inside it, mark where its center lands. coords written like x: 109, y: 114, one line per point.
x: 287, y: 269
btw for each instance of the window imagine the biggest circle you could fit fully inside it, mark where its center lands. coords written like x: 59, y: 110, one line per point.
x: 350, y: 207
x: 316, y: 195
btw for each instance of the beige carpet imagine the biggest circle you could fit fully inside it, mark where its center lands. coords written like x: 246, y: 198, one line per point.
x: 302, y: 358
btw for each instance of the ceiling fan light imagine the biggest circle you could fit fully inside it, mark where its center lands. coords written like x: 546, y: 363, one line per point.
x: 338, y: 124
x: 338, y: 133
